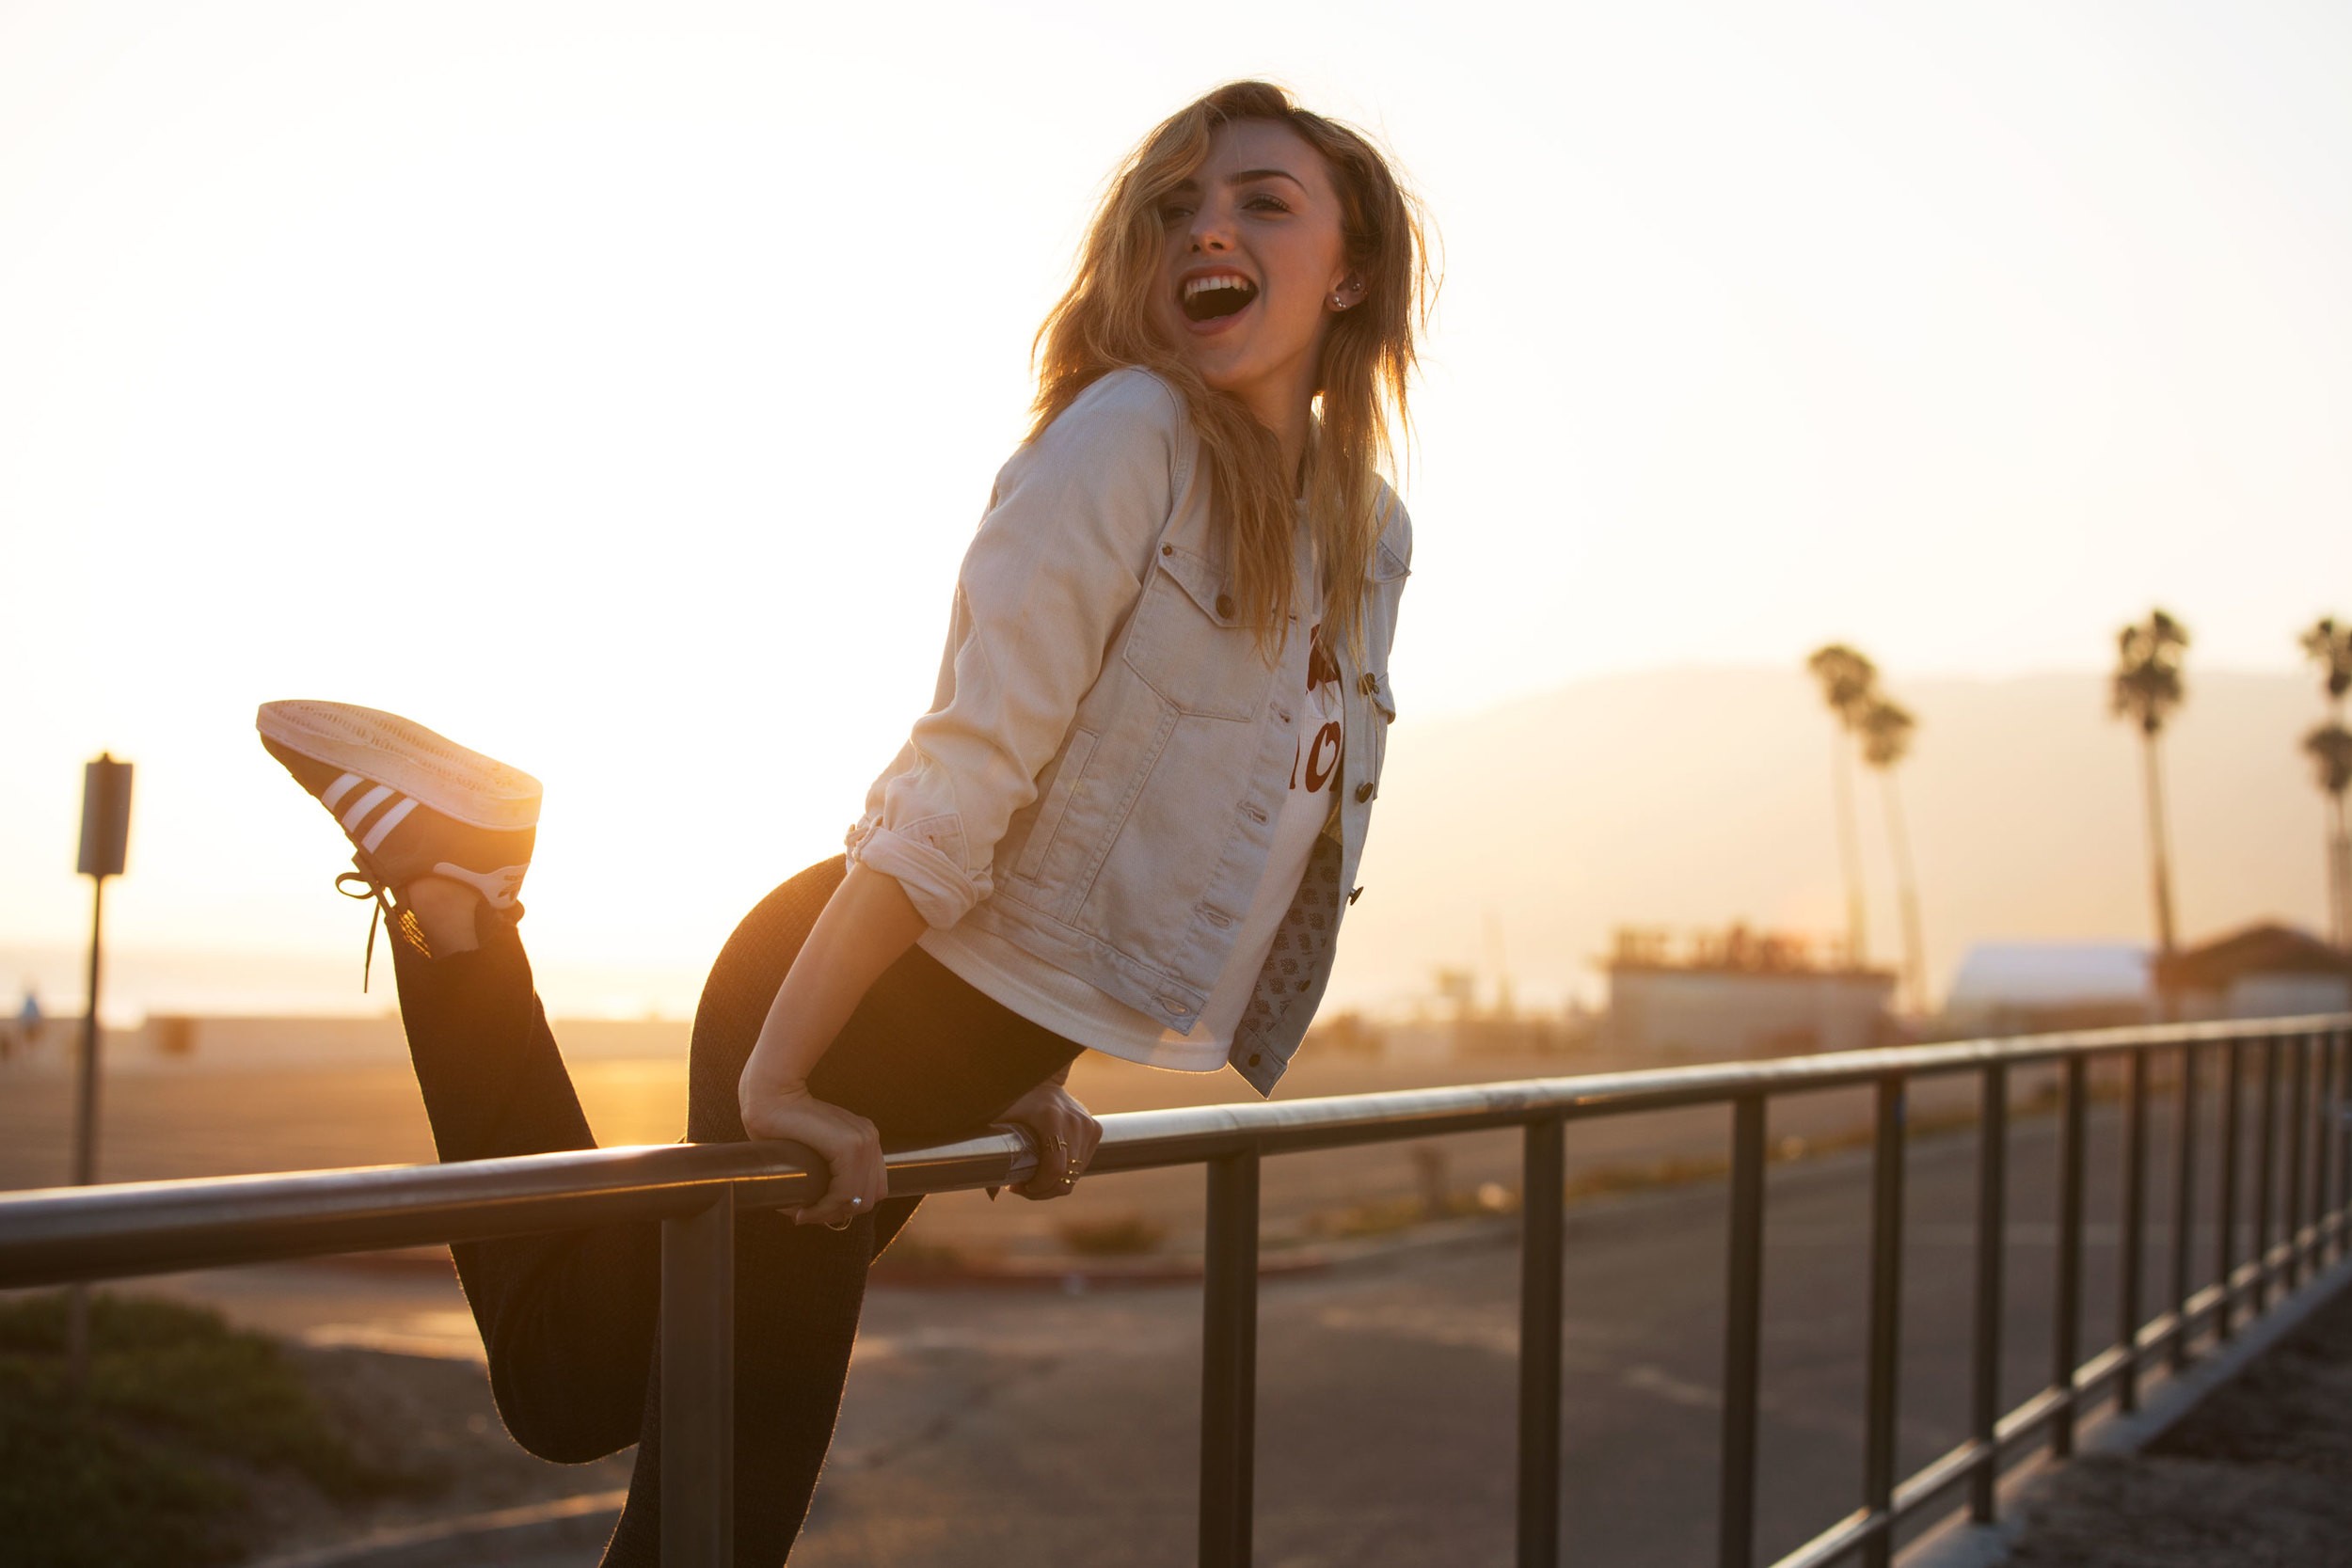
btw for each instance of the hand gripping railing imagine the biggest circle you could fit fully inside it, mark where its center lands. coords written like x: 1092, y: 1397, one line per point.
x: 694, y: 1191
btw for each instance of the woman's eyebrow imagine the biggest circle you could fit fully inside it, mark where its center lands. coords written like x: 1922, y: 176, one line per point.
x: 1192, y: 187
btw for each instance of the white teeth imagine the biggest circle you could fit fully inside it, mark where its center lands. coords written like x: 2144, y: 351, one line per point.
x: 1223, y: 280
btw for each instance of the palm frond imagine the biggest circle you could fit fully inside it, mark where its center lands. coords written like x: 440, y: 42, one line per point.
x: 2329, y: 646
x: 2330, y: 747
x: 1849, y: 681
x: 2148, y: 686
x: 1886, y: 729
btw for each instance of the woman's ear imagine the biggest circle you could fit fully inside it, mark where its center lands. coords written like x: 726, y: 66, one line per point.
x: 1350, y: 291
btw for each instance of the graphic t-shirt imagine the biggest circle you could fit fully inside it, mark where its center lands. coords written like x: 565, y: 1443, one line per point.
x: 1076, y: 1011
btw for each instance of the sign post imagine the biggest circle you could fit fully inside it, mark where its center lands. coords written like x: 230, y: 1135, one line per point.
x: 106, y: 844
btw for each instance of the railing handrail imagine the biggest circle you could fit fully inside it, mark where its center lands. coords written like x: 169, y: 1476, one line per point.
x: 57, y: 1235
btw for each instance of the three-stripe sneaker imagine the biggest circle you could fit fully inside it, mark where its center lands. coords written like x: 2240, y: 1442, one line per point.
x: 413, y: 804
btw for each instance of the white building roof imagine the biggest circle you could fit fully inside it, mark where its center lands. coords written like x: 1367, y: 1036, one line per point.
x: 2051, y: 973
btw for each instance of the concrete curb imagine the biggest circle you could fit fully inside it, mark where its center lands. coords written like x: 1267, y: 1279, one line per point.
x: 583, y: 1522
x: 1076, y: 1275
x: 1958, y: 1542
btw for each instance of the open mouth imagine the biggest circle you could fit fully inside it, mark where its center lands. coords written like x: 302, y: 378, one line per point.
x: 1220, y: 295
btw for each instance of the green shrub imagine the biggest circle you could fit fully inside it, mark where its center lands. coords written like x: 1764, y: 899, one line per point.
x: 139, y: 1468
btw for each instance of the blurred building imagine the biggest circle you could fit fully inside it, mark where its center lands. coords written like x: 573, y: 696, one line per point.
x: 2024, y: 988
x: 2265, y: 970
x: 1740, y: 993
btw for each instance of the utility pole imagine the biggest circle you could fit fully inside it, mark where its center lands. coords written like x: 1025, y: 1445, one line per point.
x: 105, y: 843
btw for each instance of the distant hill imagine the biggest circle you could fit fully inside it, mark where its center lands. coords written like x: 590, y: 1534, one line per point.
x: 1694, y: 798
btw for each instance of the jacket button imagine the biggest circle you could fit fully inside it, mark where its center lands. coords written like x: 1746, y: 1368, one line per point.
x: 1167, y: 550
x: 1254, y: 1059
x: 1355, y: 893
x: 1363, y: 791
x: 1225, y: 605
x: 1369, y: 684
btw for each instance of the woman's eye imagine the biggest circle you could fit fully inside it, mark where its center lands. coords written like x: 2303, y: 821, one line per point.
x: 1268, y: 204
x: 1174, y: 212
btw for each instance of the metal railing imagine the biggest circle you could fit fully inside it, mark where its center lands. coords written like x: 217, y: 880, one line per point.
x: 68, y: 1235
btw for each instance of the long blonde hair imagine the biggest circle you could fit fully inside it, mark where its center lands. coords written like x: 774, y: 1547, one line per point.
x: 1106, y: 321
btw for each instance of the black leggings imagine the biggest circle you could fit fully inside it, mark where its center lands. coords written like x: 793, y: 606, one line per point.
x: 569, y: 1318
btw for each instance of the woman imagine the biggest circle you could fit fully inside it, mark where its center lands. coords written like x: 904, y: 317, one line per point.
x: 1125, y: 824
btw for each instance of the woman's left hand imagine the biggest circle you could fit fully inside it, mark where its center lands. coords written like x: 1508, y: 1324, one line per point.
x: 1065, y: 1135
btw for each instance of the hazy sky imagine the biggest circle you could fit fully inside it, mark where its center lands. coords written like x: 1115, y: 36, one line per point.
x: 613, y: 387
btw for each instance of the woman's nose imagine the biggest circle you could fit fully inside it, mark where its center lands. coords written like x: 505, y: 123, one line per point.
x: 1211, y: 230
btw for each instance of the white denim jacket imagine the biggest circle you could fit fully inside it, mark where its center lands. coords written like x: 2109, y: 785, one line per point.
x: 1097, y: 779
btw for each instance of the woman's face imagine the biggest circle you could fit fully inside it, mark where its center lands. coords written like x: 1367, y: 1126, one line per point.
x: 1254, y: 266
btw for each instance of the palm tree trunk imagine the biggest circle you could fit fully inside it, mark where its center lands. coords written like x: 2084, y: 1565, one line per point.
x: 2159, y: 861
x: 1849, y: 848
x: 2335, y: 873
x: 1907, y: 893
x: 2341, y: 864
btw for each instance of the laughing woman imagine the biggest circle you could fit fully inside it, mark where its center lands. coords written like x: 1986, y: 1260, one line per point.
x: 1130, y: 822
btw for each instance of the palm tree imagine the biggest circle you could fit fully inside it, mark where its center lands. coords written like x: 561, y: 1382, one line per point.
x: 1885, y: 730
x: 2329, y: 646
x: 2146, y: 689
x: 1849, y: 682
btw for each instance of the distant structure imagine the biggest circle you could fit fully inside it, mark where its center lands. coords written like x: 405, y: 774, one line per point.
x: 1737, y: 992
x: 2027, y: 988
x: 2265, y: 970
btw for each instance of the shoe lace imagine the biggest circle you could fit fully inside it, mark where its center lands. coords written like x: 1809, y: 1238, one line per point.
x: 358, y: 885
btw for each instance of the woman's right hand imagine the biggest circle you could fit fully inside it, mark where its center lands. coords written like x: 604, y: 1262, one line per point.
x: 847, y: 1142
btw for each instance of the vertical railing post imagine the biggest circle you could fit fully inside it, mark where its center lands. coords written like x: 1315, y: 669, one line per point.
x: 2066, y: 1333
x: 2325, y: 1199
x: 2225, y: 1239
x: 698, y: 1387
x: 1542, y: 1216
x: 2184, y: 1206
x: 2299, y: 1127
x: 1229, y: 1361
x: 1886, y: 1299
x: 1984, y: 1403
x: 2131, y: 1243
x: 1743, y: 1313
x: 2265, y: 1173
x: 2343, y: 1142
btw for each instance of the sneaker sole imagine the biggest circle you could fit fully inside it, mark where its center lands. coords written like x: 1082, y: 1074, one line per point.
x: 459, y: 784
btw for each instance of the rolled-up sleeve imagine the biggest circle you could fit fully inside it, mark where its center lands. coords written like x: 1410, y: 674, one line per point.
x: 1050, y: 576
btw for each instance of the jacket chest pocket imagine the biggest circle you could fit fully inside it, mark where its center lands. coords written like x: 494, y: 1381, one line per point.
x: 1189, y: 643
